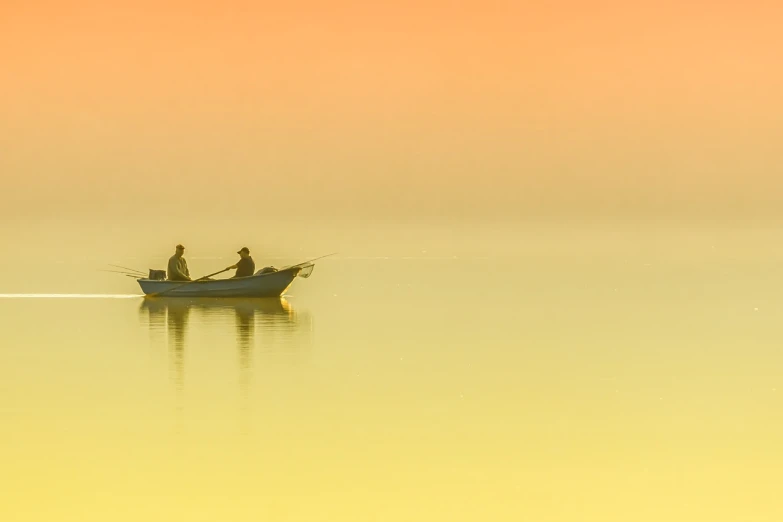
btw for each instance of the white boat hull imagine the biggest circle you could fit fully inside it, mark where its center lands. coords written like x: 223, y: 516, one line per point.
x: 261, y: 285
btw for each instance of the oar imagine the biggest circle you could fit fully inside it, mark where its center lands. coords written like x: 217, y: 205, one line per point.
x: 157, y: 294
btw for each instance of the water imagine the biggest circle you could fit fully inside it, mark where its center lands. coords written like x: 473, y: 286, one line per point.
x: 539, y: 372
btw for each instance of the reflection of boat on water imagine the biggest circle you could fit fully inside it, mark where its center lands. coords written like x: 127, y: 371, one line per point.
x: 272, y: 314
x: 244, y: 306
x: 275, y: 318
x: 269, y: 328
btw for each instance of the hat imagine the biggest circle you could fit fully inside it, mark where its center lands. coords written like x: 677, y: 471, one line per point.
x: 180, y: 247
x: 243, y: 249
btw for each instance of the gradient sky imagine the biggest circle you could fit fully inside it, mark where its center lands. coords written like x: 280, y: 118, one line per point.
x: 486, y: 109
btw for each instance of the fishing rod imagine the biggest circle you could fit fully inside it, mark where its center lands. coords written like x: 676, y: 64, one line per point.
x: 123, y: 273
x: 310, y: 261
x: 128, y: 269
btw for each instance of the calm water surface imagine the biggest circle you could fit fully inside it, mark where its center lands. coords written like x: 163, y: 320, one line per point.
x: 573, y: 373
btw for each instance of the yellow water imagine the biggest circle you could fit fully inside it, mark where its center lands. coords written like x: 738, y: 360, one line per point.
x: 538, y: 372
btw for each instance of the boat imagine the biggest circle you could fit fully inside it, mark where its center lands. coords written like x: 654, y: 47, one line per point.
x: 269, y: 284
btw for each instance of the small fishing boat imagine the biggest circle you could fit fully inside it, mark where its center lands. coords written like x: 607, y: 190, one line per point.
x: 261, y: 284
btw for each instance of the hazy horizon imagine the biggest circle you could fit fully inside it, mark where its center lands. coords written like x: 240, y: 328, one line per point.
x: 480, y: 110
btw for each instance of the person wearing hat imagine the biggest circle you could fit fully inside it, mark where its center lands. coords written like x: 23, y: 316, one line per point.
x: 178, y: 267
x: 245, y: 266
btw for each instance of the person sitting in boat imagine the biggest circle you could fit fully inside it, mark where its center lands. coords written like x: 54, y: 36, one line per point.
x: 178, y: 267
x: 245, y: 266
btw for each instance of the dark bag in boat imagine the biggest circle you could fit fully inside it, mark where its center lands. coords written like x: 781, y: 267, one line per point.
x: 157, y: 275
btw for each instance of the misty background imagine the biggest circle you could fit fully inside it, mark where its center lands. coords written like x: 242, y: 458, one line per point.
x: 478, y: 112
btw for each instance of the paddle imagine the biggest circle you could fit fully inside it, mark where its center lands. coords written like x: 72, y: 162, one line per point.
x: 157, y: 294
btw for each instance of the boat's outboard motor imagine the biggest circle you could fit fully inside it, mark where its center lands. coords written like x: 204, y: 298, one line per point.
x: 157, y: 275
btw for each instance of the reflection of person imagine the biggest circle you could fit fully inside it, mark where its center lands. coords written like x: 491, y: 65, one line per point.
x: 245, y: 266
x: 177, y: 322
x: 245, y: 325
x: 178, y: 267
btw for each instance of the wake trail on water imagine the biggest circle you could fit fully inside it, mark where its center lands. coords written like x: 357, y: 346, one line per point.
x: 70, y: 296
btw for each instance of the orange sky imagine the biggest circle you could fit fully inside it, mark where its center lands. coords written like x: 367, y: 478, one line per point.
x: 478, y: 108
